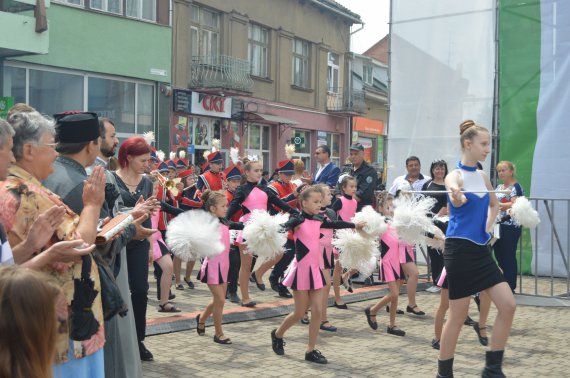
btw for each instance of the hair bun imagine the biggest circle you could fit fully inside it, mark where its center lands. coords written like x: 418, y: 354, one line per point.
x: 465, y: 125
x: 205, y: 195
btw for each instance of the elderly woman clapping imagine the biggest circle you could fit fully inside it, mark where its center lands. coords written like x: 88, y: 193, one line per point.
x: 23, y: 199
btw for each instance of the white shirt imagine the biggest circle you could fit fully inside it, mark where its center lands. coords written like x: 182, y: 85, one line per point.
x: 321, y: 169
x: 402, y: 182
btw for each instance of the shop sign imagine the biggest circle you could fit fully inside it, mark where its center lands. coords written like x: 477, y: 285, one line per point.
x: 181, y: 101
x: 366, y: 125
x: 210, y: 105
x: 191, y: 149
x: 297, y: 140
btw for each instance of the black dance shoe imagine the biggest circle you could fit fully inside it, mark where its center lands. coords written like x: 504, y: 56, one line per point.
x: 413, y: 310
x: 398, y: 311
x: 469, y: 322
x: 316, y: 357
x: 189, y: 283
x: 225, y: 341
x: 277, y: 343
x: 395, y: 331
x: 145, y: 354
x: 341, y: 306
x: 372, y: 323
x: 445, y: 368
x: 435, y: 344
x: 483, y: 340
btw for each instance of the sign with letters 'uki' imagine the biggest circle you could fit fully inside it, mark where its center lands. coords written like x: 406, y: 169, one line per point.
x: 210, y: 105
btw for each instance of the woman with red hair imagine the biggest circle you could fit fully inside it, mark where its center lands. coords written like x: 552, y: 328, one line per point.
x: 134, y: 158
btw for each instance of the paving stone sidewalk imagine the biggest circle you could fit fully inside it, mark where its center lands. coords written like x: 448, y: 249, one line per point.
x: 539, y: 347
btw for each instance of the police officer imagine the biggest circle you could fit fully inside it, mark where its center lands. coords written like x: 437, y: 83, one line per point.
x: 366, y: 177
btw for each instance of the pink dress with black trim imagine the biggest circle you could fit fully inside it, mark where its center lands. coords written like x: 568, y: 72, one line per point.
x: 406, y: 253
x: 390, y: 269
x: 214, y: 270
x: 346, y: 212
x: 325, y: 246
x: 159, y: 248
x: 256, y: 200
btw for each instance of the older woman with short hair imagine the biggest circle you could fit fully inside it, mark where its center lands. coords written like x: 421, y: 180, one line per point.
x: 24, y: 199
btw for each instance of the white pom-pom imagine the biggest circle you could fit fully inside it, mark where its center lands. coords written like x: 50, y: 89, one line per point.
x: 411, y: 218
x: 193, y: 235
x: 264, y: 236
x: 149, y: 137
x: 160, y: 155
x: 375, y: 222
x: 172, y: 155
x: 356, y: 252
x: 438, y: 243
x: 289, y: 150
x: 215, y: 145
x: 234, y: 155
x: 523, y: 213
x: 205, y: 154
x: 182, y: 154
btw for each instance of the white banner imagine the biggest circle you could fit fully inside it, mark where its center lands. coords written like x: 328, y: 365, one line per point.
x: 442, y: 72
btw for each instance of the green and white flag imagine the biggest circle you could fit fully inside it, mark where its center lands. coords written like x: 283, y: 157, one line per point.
x: 534, y: 116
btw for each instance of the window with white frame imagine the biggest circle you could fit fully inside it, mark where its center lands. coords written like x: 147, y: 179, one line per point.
x: 129, y: 103
x: 257, y: 143
x: 205, y: 31
x: 301, y: 139
x: 367, y: 73
x: 258, y: 47
x: 332, y: 73
x: 142, y: 9
x: 301, y: 63
x: 111, y: 6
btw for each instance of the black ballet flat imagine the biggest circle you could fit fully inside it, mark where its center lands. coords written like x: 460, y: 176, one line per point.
x: 483, y: 340
x: 201, y: 330
x: 469, y: 322
x: 189, y: 283
x: 395, y: 331
x: 372, y: 323
x: 260, y: 286
x: 398, y: 311
x: 249, y: 304
x: 163, y: 308
x: 342, y: 306
x: 413, y: 310
x: 225, y: 341
x: 435, y: 344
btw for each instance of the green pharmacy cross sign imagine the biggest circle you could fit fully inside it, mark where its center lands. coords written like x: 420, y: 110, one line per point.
x: 297, y: 140
x: 5, y: 104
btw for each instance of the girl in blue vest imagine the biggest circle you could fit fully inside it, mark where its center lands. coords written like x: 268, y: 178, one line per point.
x: 467, y: 257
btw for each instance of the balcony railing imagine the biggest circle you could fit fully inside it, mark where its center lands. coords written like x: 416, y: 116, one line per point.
x: 344, y: 100
x: 220, y: 71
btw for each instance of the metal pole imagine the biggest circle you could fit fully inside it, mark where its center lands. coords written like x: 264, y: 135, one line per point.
x: 496, y: 94
x: 389, y: 107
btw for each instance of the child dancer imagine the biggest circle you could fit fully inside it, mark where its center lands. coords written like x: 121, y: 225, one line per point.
x: 327, y: 255
x: 214, y: 271
x: 468, y: 262
x: 251, y: 196
x: 305, y: 276
x: 390, y: 271
x: 345, y: 208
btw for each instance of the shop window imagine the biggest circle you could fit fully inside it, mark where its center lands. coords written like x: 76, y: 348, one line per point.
x: 145, y: 108
x: 55, y: 92
x: 301, y: 63
x: 301, y: 139
x: 205, y: 32
x: 205, y: 130
x: 15, y: 83
x: 257, y: 49
x: 257, y: 144
x: 115, y: 100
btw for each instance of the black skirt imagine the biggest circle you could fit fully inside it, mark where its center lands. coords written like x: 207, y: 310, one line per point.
x: 470, y: 268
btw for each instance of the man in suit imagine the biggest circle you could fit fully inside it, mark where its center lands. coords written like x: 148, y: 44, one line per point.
x: 327, y: 172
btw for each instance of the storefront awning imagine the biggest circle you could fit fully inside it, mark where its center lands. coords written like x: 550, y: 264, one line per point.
x: 255, y: 116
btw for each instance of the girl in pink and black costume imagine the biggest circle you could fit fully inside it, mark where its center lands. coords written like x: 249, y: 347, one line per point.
x: 214, y: 270
x: 250, y: 196
x: 345, y: 208
x: 305, y: 276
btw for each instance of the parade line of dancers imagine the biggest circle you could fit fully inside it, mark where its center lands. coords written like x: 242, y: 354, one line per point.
x: 464, y: 211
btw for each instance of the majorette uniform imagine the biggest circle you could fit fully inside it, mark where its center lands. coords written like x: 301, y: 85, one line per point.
x: 251, y: 196
x: 209, y: 179
x: 305, y: 272
x: 345, y: 208
x: 467, y: 258
x: 325, y: 242
x: 189, y: 198
x: 390, y: 269
x: 214, y: 270
x: 233, y: 172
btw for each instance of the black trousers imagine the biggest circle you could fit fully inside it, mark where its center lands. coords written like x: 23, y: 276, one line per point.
x: 279, y: 269
x: 137, y: 263
x: 505, y: 250
x: 233, y: 273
